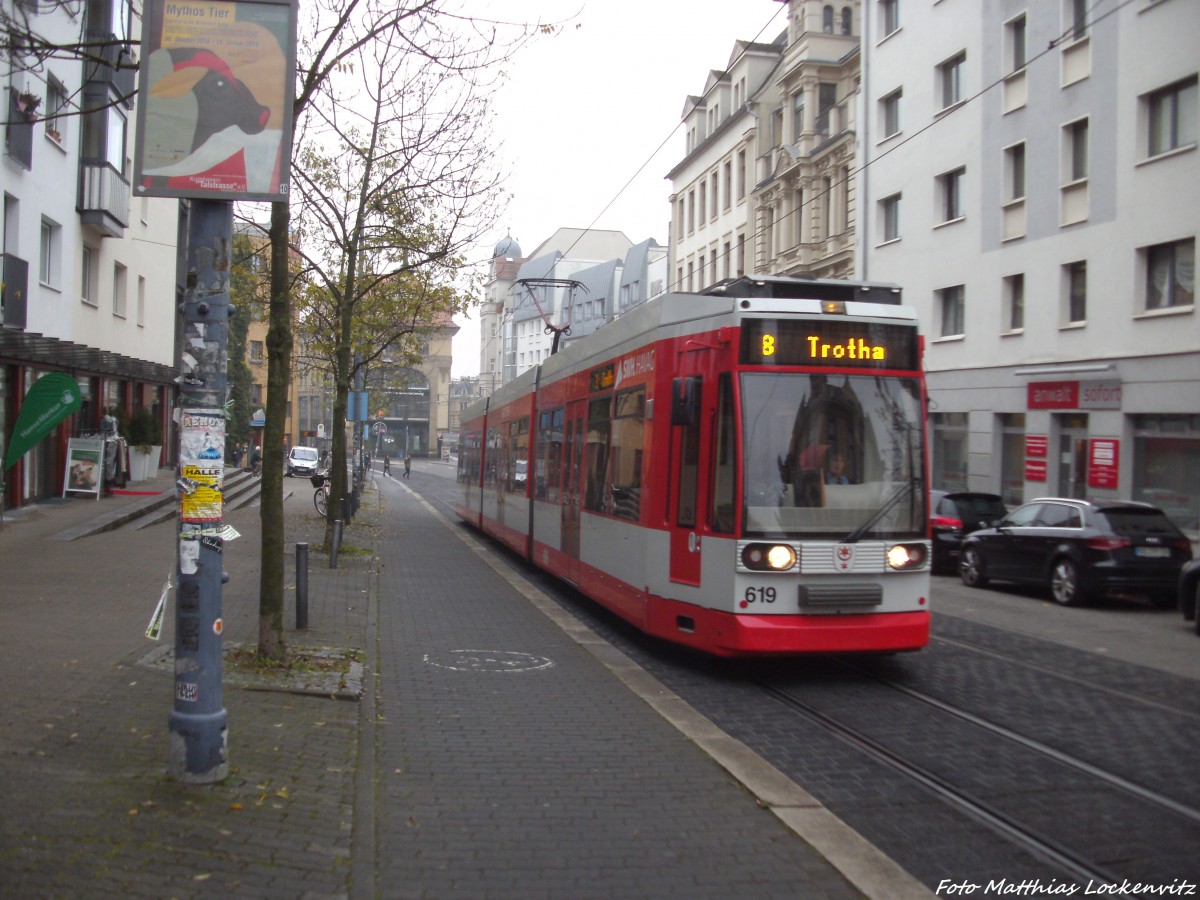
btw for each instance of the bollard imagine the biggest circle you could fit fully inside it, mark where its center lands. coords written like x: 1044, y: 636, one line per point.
x: 301, y: 586
x: 337, y: 543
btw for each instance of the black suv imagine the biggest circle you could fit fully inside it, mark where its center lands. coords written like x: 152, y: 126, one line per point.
x: 1079, y: 548
x: 954, y: 515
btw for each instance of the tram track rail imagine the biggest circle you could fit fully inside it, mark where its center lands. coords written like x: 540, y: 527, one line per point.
x: 1039, y: 845
x: 1009, y: 659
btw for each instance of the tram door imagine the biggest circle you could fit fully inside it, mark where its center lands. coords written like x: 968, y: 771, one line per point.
x: 574, y: 436
x: 686, y: 501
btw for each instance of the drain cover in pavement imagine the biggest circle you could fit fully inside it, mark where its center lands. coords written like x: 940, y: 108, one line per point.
x: 487, y: 661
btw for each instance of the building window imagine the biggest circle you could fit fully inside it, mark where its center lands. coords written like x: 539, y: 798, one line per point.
x: 715, y: 189
x: 1171, y: 275
x: 256, y: 353
x: 889, y: 16
x: 1076, y: 14
x: 119, y: 288
x: 703, y: 203
x: 741, y: 167
x: 50, y: 264
x: 826, y: 103
x: 950, y: 187
x: 89, y: 270
x: 1012, y: 457
x: 1014, y: 302
x: 1076, y: 278
x: 889, y: 215
x: 1015, y: 38
x: 56, y: 110
x: 1166, y: 465
x: 681, y: 222
x: 728, y: 175
x: 1075, y: 151
x: 797, y: 115
x: 847, y: 20
x: 1014, y: 173
x: 741, y: 255
x: 1172, y: 117
x: 141, y: 301
x: 951, y: 310
x: 691, y: 215
x: 827, y: 19
x: 949, y: 450
x: 950, y: 79
x: 889, y: 116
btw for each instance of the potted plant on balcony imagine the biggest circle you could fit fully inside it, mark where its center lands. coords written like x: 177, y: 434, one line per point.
x: 144, y: 435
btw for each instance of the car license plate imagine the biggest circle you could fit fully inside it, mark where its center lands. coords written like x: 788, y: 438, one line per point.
x: 1154, y: 552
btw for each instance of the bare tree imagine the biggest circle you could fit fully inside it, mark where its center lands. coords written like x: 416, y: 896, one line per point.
x: 426, y: 70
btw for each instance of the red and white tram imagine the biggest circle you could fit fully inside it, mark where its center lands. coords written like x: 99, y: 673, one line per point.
x: 742, y: 471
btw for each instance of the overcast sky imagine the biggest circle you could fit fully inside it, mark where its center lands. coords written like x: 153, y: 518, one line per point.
x: 584, y: 111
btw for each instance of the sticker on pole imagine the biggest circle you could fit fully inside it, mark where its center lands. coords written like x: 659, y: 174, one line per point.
x: 187, y: 691
x: 202, y: 455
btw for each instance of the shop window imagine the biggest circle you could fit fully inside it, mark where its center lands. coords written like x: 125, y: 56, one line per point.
x: 949, y: 451
x: 1166, y: 466
x: 1012, y: 457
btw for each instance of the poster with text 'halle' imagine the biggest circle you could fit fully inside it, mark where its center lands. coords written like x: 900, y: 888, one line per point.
x: 215, y: 100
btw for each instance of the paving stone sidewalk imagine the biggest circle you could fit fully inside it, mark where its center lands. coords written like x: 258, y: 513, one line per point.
x: 88, y: 809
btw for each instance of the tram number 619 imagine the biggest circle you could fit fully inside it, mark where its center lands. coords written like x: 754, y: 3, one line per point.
x: 760, y: 595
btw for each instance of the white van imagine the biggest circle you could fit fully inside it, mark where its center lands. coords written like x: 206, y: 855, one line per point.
x: 302, y: 461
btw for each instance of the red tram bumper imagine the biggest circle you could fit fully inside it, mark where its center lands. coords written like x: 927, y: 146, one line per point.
x: 726, y: 634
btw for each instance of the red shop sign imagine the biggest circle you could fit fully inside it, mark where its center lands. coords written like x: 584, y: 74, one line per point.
x: 1036, y: 445
x: 1103, y: 456
x: 1035, y: 470
x: 1052, y: 395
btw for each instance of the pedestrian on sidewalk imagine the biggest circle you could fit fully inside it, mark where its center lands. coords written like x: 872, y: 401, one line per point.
x: 407, y: 464
x: 387, y: 465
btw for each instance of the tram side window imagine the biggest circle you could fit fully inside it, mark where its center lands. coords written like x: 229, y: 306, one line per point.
x: 627, y: 455
x: 468, y: 457
x: 518, y: 443
x: 493, y: 455
x: 689, y: 473
x: 595, y: 462
x: 723, y: 469
x: 550, y: 453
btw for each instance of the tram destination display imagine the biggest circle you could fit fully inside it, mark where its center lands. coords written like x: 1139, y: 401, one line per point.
x: 835, y: 344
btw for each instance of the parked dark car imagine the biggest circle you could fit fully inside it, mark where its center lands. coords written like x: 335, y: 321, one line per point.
x: 1081, y: 548
x: 1189, y: 591
x: 954, y: 515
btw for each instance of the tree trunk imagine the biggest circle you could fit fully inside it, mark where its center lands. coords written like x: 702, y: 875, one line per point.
x: 279, y: 364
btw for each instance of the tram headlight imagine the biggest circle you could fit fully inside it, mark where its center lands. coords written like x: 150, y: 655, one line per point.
x: 768, y: 557
x: 907, y: 556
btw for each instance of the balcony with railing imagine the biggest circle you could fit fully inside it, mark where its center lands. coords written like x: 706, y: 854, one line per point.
x: 110, y: 62
x: 103, y: 197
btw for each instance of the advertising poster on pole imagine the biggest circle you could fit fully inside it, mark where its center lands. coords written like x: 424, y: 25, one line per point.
x: 217, y: 81
x: 84, y: 464
x: 202, y: 466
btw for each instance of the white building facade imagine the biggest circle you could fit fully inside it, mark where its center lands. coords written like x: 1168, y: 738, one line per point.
x: 1030, y: 176
x: 89, y: 274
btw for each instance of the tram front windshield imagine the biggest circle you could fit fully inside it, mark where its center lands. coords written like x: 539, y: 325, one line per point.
x: 836, y: 457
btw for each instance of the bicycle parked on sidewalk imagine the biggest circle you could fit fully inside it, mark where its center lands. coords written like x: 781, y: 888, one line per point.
x: 321, y: 497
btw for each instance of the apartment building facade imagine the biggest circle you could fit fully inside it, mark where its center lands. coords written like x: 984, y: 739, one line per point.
x: 1029, y: 173
x: 89, y: 273
x: 766, y: 183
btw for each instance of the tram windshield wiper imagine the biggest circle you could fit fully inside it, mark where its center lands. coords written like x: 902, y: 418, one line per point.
x: 856, y: 535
